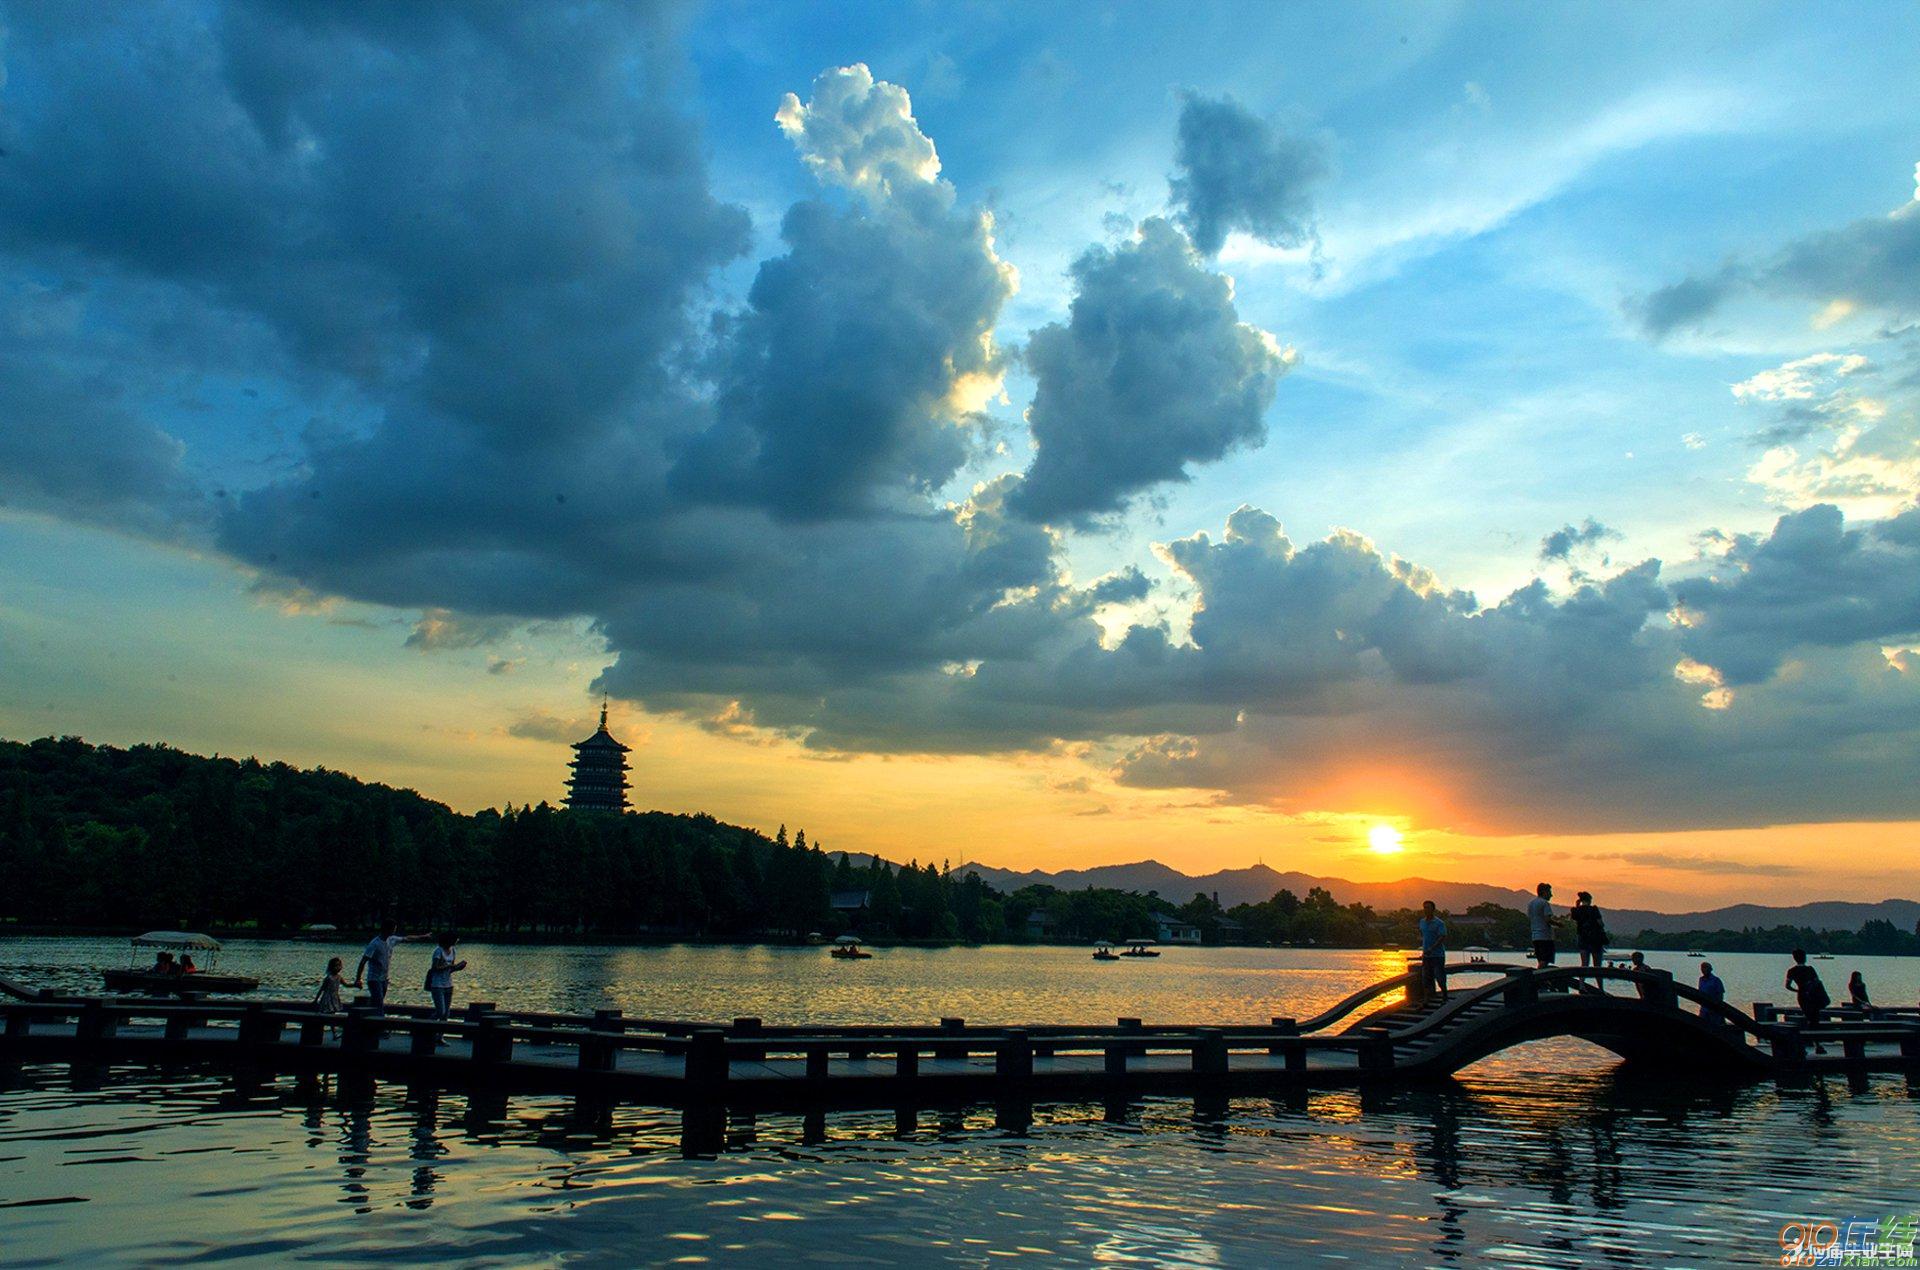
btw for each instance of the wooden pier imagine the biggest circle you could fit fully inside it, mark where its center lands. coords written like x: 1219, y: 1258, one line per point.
x: 1388, y: 1032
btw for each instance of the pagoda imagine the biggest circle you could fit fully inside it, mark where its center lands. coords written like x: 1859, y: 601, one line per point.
x: 599, y: 780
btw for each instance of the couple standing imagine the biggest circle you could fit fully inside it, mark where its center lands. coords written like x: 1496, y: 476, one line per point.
x: 376, y: 965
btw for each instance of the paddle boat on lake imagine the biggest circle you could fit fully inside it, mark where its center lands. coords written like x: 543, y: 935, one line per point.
x: 847, y: 948
x: 1103, y: 951
x: 1140, y: 948
x: 173, y: 971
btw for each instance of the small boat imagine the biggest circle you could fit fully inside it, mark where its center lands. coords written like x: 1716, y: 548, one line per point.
x: 175, y: 982
x: 1695, y: 952
x: 1823, y: 956
x: 847, y: 948
x: 1103, y: 951
x: 1139, y: 948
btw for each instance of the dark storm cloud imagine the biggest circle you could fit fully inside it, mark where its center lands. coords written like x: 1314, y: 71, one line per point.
x: 71, y: 448
x: 1152, y: 371
x: 1239, y: 172
x: 1872, y: 263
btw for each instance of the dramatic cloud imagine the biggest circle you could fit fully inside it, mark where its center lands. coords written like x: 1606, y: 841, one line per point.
x: 866, y: 352
x: 1811, y: 583
x: 1239, y: 172
x: 411, y: 305
x: 1152, y: 371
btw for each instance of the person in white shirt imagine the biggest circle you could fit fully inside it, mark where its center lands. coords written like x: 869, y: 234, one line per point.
x: 376, y: 963
x: 1540, y: 919
x: 440, y: 975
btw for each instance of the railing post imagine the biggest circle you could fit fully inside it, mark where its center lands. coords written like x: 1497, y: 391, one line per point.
x: 1788, y: 1047
x: 1763, y: 1011
x: 19, y: 1024
x: 424, y: 1036
x: 313, y: 1030
x: 707, y: 1063
x: 748, y: 1026
x: 1295, y: 1051
x: 1520, y: 989
x: 907, y: 1062
x: 1013, y: 1061
x: 1282, y: 1026
x: 597, y: 1054
x: 954, y: 1025
x: 493, y: 1041
x: 1376, y: 1050
x: 818, y: 1060
x: 1116, y: 1056
x: 1131, y: 1025
x: 360, y: 1031
x: 177, y: 1027
x: 1210, y: 1052
x: 1910, y: 1046
x: 96, y: 1023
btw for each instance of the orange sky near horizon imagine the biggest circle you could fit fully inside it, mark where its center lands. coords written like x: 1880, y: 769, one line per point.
x: 335, y: 685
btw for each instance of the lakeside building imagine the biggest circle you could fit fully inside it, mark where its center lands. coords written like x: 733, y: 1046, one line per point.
x: 599, y: 779
x: 1174, y: 931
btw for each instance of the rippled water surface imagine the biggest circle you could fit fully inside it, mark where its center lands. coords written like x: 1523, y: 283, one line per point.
x: 1544, y: 1156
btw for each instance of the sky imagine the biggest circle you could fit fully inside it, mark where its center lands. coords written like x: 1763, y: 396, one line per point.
x: 1460, y: 441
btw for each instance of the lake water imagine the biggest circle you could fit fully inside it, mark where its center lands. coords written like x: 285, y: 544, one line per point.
x: 1546, y: 1155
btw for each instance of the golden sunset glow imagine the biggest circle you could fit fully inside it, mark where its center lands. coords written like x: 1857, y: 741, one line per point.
x: 1385, y: 840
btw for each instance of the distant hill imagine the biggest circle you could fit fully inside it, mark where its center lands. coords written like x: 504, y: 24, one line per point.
x: 1819, y: 915
x: 1252, y: 885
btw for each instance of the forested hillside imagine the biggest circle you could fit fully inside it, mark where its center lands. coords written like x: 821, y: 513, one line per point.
x: 94, y: 835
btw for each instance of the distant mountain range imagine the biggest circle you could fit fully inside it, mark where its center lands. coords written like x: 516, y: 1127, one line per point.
x: 1252, y: 885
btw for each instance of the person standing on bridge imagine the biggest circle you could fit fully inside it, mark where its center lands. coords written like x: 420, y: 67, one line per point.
x: 1433, y: 950
x: 1589, y: 931
x: 376, y: 962
x: 1540, y: 920
x: 1811, y: 994
x: 440, y: 975
x: 1857, y: 992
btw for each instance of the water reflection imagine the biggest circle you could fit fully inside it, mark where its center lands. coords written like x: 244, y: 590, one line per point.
x: 1538, y: 1167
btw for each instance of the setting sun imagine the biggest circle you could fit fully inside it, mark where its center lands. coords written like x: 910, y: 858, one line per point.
x: 1384, y: 840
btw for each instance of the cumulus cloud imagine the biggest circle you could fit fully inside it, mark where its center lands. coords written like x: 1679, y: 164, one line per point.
x: 856, y: 375
x: 1812, y: 582
x: 1152, y: 371
x: 1239, y: 172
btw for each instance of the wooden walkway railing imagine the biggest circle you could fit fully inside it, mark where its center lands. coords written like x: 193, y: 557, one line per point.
x: 1398, y: 1034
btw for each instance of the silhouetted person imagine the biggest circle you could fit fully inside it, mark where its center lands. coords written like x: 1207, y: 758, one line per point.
x: 1857, y: 991
x: 1713, y: 990
x: 1811, y: 994
x: 440, y: 975
x: 1589, y: 930
x: 1638, y: 961
x: 1433, y: 949
x: 186, y: 964
x: 1540, y: 922
x: 376, y: 962
x: 327, y: 999
x: 163, y: 965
